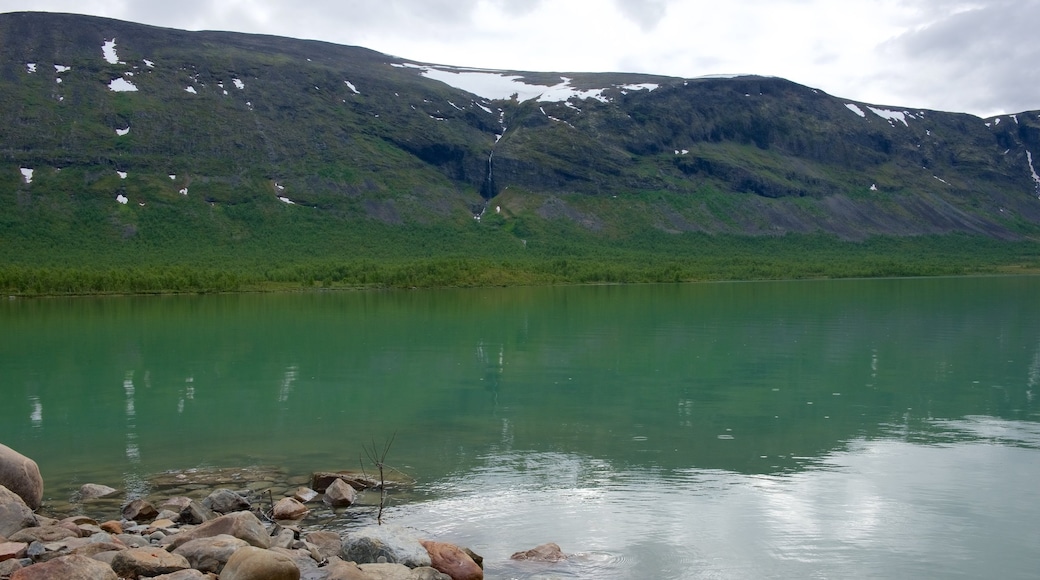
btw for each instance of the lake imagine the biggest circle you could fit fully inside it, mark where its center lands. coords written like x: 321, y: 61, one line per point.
x: 818, y: 429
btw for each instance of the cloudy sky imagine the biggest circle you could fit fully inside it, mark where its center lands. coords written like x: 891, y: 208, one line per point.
x: 980, y: 57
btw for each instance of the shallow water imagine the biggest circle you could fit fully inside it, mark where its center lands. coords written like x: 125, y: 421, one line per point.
x: 853, y: 429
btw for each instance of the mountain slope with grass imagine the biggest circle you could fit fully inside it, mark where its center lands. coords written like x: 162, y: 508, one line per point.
x: 138, y: 158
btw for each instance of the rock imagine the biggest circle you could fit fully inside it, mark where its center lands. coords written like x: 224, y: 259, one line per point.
x: 140, y: 510
x: 225, y: 501
x: 288, y: 508
x: 9, y: 567
x: 400, y: 572
x: 14, y: 513
x: 21, y: 476
x: 94, y: 548
x: 305, y: 495
x: 195, y: 513
x: 67, y: 568
x: 89, y: 491
x: 303, y: 561
x: 186, y: 575
x: 545, y: 553
x: 340, y: 494
x: 242, y: 525
x: 453, y: 561
x: 394, y: 543
x: 321, y: 480
x: 340, y: 570
x: 475, y: 556
x: 43, y: 534
x: 329, y: 544
x: 210, y: 554
x: 147, y: 562
x: 12, y: 550
x: 175, y: 504
x: 112, y: 527
x: 252, y: 563
x: 285, y: 538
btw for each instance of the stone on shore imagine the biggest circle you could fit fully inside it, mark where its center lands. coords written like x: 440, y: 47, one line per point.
x: 401, y: 572
x: 251, y: 563
x: 453, y: 561
x: 22, y: 476
x: 288, y: 508
x: 90, y: 491
x: 45, y: 534
x: 195, y: 513
x: 242, y: 525
x: 210, y: 554
x: 186, y: 575
x: 321, y: 480
x: 328, y: 544
x: 148, y: 562
x: 305, y: 495
x: 340, y: 494
x: 14, y: 513
x: 225, y: 501
x: 12, y: 550
x: 550, y: 552
x: 397, y: 545
x: 140, y: 510
x: 340, y: 570
x: 67, y: 568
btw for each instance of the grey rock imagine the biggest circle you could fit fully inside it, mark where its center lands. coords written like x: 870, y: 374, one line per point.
x: 394, y: 543
x: 252, y: 563
x: 14, y: 513
x: 225, y: 501
x: 196, y: 513
x: 288, y: 508
x: 72, y: 567
x: 210, y: 554
x: 340, y: 494
x: 21, y: 476
x: 90, y: 491
x: 140, y: 510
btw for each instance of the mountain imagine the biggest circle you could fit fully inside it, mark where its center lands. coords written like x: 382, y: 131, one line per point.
x: 113, y: 131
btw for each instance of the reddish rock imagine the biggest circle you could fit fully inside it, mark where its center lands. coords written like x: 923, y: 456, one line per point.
x: 21, y: 475
x: 112, y: 527
x: 288, y: 508
x: 10, y: 550
x: 242, y: 525
x: 67, y: 568
x: 210, y: 554
x: 545, y: 553
x: 45, y: 534
x: 453, y: 561
x: 251, y: 563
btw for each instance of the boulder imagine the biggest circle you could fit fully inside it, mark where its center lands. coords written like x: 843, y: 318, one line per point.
x: 340, y: 570
x: 305, y: 495
x: 112, y: 527
x: 545, y: 553
x: 225, y: 501
x: 175, y: 504
x: 210, y: 554
x: 252, y: 563
x: 242, y: 525
x: 67, y: 568
x: 140, y: 510
x: 340, y: 494
x: 453, y: 561
x: 195, y: 513
x: 45, y: 534
x: 186, y: 575
x: 14, y: 513
x: 89, y: 491
x: 288, y: 508
x: 321, y: 480
x: 21, y: 475
x: 394, y: 543
x: 12, y: 550
x: 328, y: 544
x: 148, y: 562
x: 400, y: 572
x: 8, y: 567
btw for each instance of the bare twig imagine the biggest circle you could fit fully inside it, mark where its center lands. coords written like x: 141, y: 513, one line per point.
x: 379, y: 460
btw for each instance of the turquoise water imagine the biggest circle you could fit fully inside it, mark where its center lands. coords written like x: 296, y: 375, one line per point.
x: 852, y: 429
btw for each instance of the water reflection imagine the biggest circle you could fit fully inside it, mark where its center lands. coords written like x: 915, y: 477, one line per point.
x: 36, y: 415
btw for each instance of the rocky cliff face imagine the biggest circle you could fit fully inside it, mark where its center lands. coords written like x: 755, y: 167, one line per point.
x: 96, y: 107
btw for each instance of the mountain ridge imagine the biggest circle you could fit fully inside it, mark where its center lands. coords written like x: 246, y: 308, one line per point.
x: 234, y: 120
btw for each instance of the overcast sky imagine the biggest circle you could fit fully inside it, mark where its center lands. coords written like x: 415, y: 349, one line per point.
x: 981, y: 57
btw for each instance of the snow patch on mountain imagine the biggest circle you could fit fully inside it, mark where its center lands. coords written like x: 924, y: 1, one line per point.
x: 238, y: 84
x: 491, y: 84
x: 30, y: 67
x: 122, y: 85
x: 123, y: 132
x: 891, y: 116
x: 856, y: 109
x: 191, y: 89
x: 27, y: 174
x: 108, y: 51
x: 1032, y: 170
x: 351, y: 86
x: 60, y: 68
